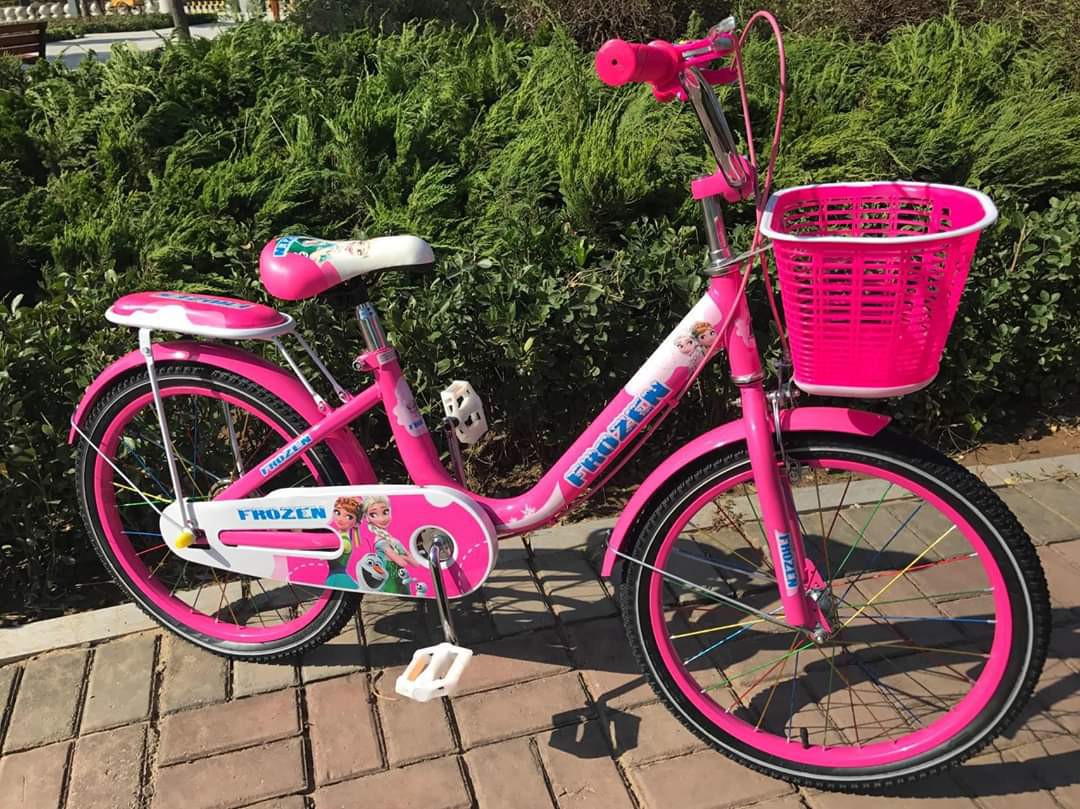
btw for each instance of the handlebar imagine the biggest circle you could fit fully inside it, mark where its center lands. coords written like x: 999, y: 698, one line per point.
x: 619, y: 62
x: 662, y: 64
x: 681, y: 71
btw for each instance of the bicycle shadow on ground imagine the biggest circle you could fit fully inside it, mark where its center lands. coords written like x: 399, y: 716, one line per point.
x: 1039, y: 749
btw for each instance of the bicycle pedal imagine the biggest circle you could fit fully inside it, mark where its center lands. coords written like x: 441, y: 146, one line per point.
x: 434, y: 671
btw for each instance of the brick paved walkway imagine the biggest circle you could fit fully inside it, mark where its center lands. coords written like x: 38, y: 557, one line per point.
x: 554, y: 715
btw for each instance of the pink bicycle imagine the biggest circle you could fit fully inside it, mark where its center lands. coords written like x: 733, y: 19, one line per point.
x: 809, y: 591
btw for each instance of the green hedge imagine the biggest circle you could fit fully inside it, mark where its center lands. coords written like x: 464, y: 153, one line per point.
x: 113, y: 23
x: 558, y: 207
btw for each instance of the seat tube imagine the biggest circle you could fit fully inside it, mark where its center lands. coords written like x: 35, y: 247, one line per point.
x: 414, y: 443
x: 781, y: 529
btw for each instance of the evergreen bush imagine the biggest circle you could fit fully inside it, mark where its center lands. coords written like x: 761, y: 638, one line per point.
x: 559, y: 210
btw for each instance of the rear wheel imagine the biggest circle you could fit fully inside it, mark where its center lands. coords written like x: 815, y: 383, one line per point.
x: 937, y: 610
x: 219, y: 423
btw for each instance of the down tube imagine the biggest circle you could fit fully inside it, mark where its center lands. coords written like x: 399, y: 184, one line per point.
x: 658, y: 384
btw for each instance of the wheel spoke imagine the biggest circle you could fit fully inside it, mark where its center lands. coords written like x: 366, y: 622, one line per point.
x: 862, y: 533
x: 908, y: 648
x: 881, y: 550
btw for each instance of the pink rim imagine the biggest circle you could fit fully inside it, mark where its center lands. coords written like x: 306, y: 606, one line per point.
x: 138, y: 573
x: 870, y: 755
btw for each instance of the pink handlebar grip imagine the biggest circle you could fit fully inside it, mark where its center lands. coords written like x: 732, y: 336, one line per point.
x: 619, y: 62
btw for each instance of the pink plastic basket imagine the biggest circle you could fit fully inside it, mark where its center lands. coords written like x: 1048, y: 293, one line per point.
x: 870, y: 278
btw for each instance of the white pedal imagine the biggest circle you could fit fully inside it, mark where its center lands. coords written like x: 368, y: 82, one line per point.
x: 464, y: 405
x: 434, y: 671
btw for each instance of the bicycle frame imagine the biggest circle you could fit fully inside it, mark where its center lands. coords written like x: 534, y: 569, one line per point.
x: 655, y: 389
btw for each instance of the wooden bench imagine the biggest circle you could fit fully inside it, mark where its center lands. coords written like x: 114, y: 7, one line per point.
x: 25, y: 40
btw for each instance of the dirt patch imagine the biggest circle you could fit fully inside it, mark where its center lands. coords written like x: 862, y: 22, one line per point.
x: 1046, y: 442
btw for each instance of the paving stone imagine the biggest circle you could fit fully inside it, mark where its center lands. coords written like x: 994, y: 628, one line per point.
x: 589, y: 537
x: 191, y: 676
x: 514, y: 660
x: 507, y: 775
x: 258, y: 678
x: 572, y: 587
x: 33, y: 778
x: 1054, y: 763
x: 205, y: 731
x: 647, y: 733
x: 520, y: 709
x: 988, y: 474
x: 435, y: 784
x: 75, y: 629
x: 582, y: 774
x: 394, y: 628
x: 1035, y: 724
x: 1039, y: 468
x: 1041, y: 523
x: 342, y: 654
x: 513, y: 598
x: 413, y: 730
x: 1058, y: 497
x: 286, y: 802
x: 472, y: 622
x: 939, y: 792
x: 1071, y: 548
x: 703, y: 780
x: 603, y: 655
x: 120, y: 683
x: 107, y: 769
x: 7, y: 683
x: 232, y: 779
x: 999, y: 782
x: 48, y: 700
x: 1058, y: 691
x: 783, y: 802
x: 1062, y: 579
x: 344, y: 742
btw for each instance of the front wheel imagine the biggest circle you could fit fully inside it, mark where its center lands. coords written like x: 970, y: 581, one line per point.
x: 937, y: 607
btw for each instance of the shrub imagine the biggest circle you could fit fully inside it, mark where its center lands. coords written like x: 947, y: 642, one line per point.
x: 113, y: 23
x: 568, y: 243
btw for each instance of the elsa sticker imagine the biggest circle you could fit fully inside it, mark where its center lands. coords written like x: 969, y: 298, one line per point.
x: 391, y: 561
x: 689, y: 348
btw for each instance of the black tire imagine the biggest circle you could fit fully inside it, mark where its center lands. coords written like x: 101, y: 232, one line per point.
x: 1010, y: 546
x: 341, y: 606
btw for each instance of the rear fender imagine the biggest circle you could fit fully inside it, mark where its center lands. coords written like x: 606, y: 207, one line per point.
x: 284, y: 385
x: 802, y: 419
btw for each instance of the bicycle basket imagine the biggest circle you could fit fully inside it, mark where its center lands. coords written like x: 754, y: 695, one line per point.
x: 870, y: 277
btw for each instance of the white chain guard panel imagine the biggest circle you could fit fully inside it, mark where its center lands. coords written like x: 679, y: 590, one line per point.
x: 357, y: 538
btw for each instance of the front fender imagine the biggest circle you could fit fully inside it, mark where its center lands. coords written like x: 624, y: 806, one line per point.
x: 802, y: 419
x: 284, y: 385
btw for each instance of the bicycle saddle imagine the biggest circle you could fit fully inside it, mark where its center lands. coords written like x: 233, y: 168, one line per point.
x: 298, y: 267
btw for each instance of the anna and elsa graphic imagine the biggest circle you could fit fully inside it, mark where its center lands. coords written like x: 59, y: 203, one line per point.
x: 386, y: 568
x: 696, y: 343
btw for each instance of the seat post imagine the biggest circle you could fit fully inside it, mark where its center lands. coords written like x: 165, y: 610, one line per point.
x: 370, y: 327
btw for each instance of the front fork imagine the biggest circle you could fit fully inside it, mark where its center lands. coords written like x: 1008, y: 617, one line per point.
x: 778, y: 513
x: 795, y: 578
